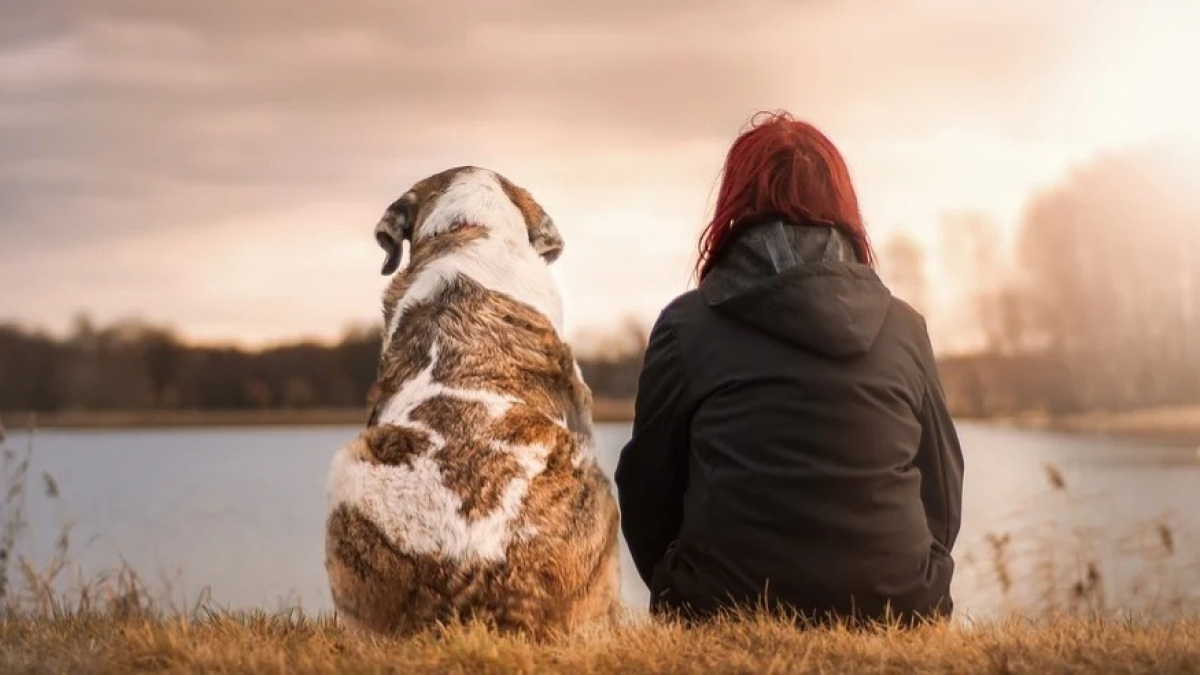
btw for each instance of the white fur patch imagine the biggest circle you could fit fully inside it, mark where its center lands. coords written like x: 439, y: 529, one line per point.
x: 419, y: 514
x: 503, y: 261
x: 412, y: 505
x: 423, y: 387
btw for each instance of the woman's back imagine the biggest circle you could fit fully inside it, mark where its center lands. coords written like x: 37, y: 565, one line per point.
x: 791, y: 438
x: 804, y: 389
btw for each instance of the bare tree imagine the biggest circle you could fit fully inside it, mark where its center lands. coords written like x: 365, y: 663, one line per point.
x: 972, y: 256
x: 902, y: 266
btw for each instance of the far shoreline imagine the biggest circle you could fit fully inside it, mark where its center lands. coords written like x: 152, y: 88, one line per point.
x: 604, y: 410
x: 1176, y: 425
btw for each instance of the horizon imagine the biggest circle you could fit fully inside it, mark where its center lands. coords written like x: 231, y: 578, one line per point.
x: 218, y: 171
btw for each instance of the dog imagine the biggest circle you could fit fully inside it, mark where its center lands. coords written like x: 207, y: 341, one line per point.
x: 473, y: 494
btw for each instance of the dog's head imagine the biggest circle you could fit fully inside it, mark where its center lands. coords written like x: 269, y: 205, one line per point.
x: 465, y: 196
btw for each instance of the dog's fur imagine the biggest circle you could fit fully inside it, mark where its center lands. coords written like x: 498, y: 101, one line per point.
x: 474, y: 492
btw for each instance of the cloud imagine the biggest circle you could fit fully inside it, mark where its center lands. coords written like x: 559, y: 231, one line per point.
x: 122, y: 120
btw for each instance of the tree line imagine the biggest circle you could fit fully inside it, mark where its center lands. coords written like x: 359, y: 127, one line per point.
x: 133, y: 365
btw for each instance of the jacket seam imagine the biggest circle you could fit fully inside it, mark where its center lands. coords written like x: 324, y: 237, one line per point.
x: 678, y: 353
x: 677, y: 357
x: 943, y: 484
x: 925, y: 354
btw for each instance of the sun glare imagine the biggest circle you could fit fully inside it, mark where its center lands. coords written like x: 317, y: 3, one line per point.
x: 1136, y: 82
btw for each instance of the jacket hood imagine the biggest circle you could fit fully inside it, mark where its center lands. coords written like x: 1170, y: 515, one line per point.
x: 802, y: 284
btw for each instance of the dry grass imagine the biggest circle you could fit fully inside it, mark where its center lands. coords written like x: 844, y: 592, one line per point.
x: 257, y: 643
x: 260, y: 643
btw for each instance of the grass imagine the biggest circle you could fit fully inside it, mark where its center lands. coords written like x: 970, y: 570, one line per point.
x: 114, y: 624
x: 268, y: 643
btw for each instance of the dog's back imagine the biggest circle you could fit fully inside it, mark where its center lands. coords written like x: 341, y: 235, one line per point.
x: 474, y: 491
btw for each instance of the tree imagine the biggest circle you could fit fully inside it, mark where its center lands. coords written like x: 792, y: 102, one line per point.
x: 163, y: 356
x: 1110, y: 256
x: 902, y: 266
x: 971, y: 253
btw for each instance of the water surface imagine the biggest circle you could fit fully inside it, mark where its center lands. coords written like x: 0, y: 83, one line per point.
x: 241, y: 511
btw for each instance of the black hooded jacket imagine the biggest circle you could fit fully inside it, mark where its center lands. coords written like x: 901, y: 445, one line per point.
x: 791, y: 440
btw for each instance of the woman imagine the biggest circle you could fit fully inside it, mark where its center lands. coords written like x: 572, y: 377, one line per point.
x: 791, y: 444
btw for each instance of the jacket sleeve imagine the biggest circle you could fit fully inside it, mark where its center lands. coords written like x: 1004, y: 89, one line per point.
x: 651, y: 473
x: 940, y: 461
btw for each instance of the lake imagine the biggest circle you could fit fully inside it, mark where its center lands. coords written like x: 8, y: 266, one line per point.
x: 1048, y: 518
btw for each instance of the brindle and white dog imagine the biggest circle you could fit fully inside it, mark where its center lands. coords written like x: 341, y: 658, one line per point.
x: 474, y: 492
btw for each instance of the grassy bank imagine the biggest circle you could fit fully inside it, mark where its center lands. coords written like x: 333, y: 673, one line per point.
x: 291, y: 643
x: 605, y: 410
x: 134, y: 419
x: 1177, y: 424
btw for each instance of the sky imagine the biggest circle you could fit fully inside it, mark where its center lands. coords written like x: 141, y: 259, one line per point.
x: 219, y: 166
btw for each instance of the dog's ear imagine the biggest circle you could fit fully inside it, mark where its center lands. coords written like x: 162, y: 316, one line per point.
x: 543, y: 233
x: 546, y: 240
x: 394, y: 229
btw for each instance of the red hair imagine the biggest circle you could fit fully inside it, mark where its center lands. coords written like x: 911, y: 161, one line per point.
x: 783, y: 168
